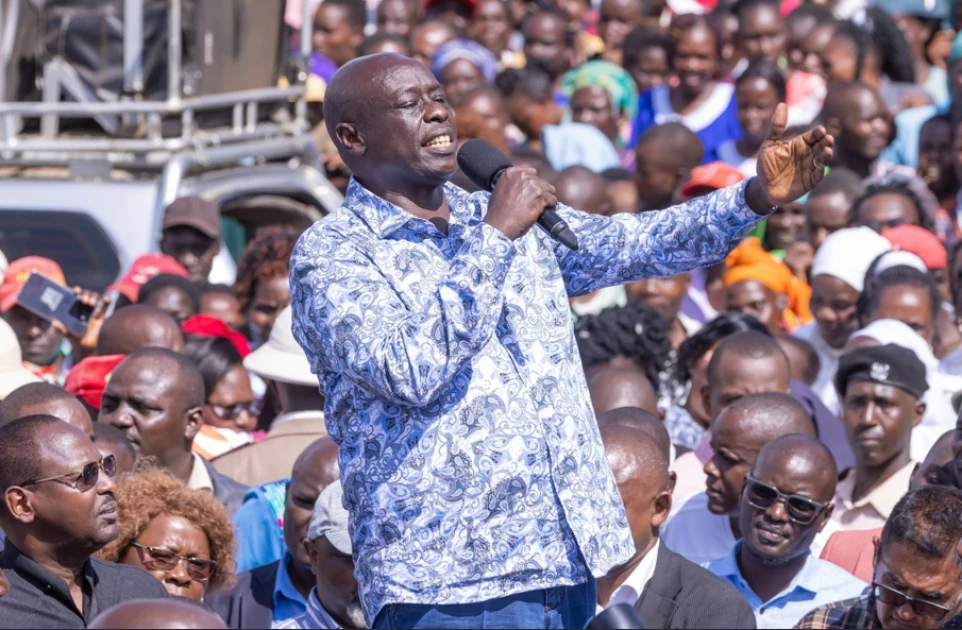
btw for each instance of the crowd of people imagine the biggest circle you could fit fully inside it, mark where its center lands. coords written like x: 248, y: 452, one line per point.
x: 781, y: 425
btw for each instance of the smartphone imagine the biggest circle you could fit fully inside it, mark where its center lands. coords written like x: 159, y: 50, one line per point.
x: 51, y: 301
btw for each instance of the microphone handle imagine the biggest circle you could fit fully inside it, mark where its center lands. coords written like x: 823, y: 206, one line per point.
x: 549, y: 221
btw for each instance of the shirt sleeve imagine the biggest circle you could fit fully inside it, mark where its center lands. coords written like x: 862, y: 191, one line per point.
x: 628, y: 247
x: 352, y: 322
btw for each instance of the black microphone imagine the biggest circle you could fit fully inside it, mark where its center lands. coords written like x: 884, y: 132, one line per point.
x: 484, y: 165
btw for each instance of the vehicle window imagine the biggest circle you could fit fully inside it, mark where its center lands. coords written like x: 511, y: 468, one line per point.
x: 77, y: 242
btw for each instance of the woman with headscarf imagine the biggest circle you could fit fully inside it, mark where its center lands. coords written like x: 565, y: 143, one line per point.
x: 758, y: 284
x: 462, y: 65
x: 939, y: 414
x: 604, y: 96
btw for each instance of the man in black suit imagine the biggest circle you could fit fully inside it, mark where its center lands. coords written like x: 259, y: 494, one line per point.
x: 666, y: 590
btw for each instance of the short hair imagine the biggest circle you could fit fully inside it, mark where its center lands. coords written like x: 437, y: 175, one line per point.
x: 20, y: 446
x: 378, y: 38
x: 900, y: 275
x: 744, y: 6
x: 747, y: 345
x: 896, y: 187
x: 185, y: 367
x: 632, y: 331
x: 775, y: 413
x: 169, y: 280
x: 214, y: 357
x: 356, y: 11
x: 266, y: 257
x: 108, y: 433
x: 680, y: 141
x: 836, y: 100
x: 643, y: 37
x: 820, y: 13
x: 644, y: 421
x: 217, y: 289
x: 697, y: 345
x: 532, y: 82
x: 812, y: 362
x: 30, y: 395
x: 551, y: 10
x: 768, y: 72
x: 840, y: 180
x: 149, y: 492
x: 617, y: 174
x: 929, y: 519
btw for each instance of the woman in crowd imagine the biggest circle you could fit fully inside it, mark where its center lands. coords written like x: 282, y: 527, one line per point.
x: 463, y: 65
x: 757, y: 92
x: 231, y: 409
x: 696, y: 99
x: 604, y: 96
x: 182, y: 537
x: 262, y: 286
x: 688, y: 419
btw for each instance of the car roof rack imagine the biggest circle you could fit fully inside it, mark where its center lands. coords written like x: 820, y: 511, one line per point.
x: 146, y: 134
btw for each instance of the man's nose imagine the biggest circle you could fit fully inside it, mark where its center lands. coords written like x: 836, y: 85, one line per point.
x: 777, y: 512
x: 436, y: 112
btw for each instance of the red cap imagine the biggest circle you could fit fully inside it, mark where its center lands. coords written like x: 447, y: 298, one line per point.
x: 207, y: 326
x: 714, y: 176
x: 17, y: 273
x: 921, y: 242
x: 88, y: 379
x: 142, y: 270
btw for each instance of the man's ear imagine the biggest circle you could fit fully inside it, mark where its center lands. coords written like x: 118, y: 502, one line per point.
x: 348, y: 135
x: 311, y: 553
x: 672, y: 480
x: 919, y: 412
x: 826, y: 516
x: 706, y: 400
x: 661, y: 509
x: 833, y: 126
x: 195, y: 420
x: 19, y: 503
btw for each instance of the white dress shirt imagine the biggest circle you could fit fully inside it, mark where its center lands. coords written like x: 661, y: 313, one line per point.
x: 634, y: 585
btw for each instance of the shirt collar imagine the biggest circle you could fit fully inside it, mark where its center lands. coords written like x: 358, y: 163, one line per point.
x: 384, y: 218
x: 318, y: 615
x: 13, y: 557
x: 807, y: 579
x: 634, y: 585
x: 283, y: 586
x: 199, y: 476
x: 883, y: 498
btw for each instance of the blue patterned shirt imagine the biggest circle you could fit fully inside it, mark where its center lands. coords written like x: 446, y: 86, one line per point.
x: 471, y: 462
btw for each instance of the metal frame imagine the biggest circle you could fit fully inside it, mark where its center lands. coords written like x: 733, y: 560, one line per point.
x: 246, y: 135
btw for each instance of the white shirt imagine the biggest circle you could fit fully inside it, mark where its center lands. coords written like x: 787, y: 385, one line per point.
x: 700, y: 536
x: 634, y: 585
x: 824, y: 386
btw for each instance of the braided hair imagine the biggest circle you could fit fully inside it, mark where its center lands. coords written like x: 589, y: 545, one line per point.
x: 266, y: 257
x: 879, y: 34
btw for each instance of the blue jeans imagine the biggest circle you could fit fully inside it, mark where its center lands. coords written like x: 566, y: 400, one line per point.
x: 561, y: 607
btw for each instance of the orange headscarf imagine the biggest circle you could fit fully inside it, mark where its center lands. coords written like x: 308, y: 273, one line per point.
x: 750, y: 262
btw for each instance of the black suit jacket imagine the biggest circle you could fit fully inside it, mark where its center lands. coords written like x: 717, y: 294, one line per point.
x: 681, y: 594
x: 250, y: 603
x: 226, y: 490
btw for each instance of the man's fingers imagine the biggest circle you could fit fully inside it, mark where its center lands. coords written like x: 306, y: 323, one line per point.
x: 816, y: 135
x: 779, y: 121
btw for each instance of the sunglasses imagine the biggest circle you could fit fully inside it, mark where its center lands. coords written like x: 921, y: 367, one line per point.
x: 878, y: 226
x: 233, y: 411
x: 86, y: 478
x: 762, y: 496
x: 891, y: 597
x: 160, y: 559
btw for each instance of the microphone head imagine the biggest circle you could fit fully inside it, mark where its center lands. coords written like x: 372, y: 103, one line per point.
x: 482, y: 162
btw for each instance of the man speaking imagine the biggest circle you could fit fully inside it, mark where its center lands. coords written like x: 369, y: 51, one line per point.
x: 438, y: 323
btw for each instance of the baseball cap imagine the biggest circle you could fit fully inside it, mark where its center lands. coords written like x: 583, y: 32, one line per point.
x: 200, y: 214
x: 88, y: 379
x: 12, y: 372
x: 330, y: 519
x: 713, y: 176
x: 143, y: 269
x: 281, y: 358
x: 207, y: 326
x: 921, y: 242
x: 17, y: 273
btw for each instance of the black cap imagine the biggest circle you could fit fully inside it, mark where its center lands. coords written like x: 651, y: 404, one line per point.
x: 889, y: 365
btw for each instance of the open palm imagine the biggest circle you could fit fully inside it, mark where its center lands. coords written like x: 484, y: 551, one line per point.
x: 787, y: 169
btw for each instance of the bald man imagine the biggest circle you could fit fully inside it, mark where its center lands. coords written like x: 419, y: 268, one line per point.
x: 666, y: 590
x: 642, y: 420
x: 139, y: 326
x: 277, y: 592
x: 582, y: 188
x: 162, y: 614
x: 46, y: 399
x: 706, y: 526
x: 399, y: 301
x: 786, y: 502
x: 614, y: 388
x: 156, y: 397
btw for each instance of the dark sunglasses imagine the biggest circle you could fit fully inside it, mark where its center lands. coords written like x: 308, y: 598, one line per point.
x: 233, y: 411
x: 878, y: 226
x: 891, y: 597
x: 762, y: 496
x: 160, y: 559
x: 85, y: 479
